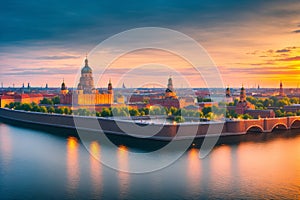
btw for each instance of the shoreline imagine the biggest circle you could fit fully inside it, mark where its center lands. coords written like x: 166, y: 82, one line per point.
x: 166, y: 133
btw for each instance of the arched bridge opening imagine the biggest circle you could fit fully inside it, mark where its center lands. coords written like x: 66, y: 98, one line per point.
x: 295, y: 124
x: 254, y: 129
x: 279, y: 126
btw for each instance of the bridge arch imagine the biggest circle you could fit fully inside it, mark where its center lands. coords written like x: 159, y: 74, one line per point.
x: 255, y: 128
x: 295, y: 123
x: 279, y: 126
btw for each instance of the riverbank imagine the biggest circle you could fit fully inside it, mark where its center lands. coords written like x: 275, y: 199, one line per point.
x: 164, y: 132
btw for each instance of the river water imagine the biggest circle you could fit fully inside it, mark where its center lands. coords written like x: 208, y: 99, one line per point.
x: 39, y: 165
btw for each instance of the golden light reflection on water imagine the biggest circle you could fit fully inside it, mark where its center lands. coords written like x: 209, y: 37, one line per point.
x: 72, y: 165
x: 96, y: 169
x: 193, y: 170
x: 123, y: 176
x: 268, y: 167
x: 6, y: 148
x: 221, y: 167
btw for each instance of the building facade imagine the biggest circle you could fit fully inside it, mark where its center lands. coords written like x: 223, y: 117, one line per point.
x: 86, y: 93
x: 21, y: 98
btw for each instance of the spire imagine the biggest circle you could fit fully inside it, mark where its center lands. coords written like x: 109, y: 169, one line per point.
x: 228, y: 92
x: 109, y: 87
x: 170, y: 84
x: 243, y: 94
x: 242, y: 87
x: 86, y: 60
x: 63, y: 85
x: 281, y: 92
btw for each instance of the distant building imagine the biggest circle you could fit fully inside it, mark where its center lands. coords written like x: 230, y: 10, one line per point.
x: 86, y: 93
x: 292, y: 108
x: 22, y: 98
x: 260, y: 113
x: 245, y: 107
x: 170, y: 93
x: 243, y: 104
x: 281, y: 91
x: 170, y: 99
x: 228, y: 97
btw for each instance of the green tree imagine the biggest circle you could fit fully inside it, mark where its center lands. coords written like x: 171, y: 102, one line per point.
x: 290, y: 114
x: 210, y: 116
x: 106, y: 112
x: 246, y: 116
x: 26, y: 107
x: 206, y: 110
x: 56, y: 100
x: 231, y: 114
x: 259, y: 106
x: 67, y: 111
x: 98, y: 114
x: 279, y: 113
x: 46, y: 101
x: 179, y: 119
x: 59, y: 110
x: 134, y: 112
x: 116, y: 111
x: 294, y: 100
x: 252, y: 100
x: 268, y: 102
x: 283, y: 102
x: 51, y: 109
x: 42, y: 109
x: 157, y: 110
x: 275, y: 100
x: 218, y: 111
x: 36, y: 108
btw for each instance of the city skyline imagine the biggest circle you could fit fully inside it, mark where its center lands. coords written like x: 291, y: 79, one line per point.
x: 257, y: 40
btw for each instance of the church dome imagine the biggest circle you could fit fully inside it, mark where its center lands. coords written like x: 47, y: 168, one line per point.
x: 63, y: 86
x: 86, y: 68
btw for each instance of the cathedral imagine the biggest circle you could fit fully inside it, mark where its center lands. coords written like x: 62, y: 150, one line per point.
x: 86, y: 93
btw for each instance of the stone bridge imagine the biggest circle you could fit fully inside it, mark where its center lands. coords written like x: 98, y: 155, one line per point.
x: 262, y: 125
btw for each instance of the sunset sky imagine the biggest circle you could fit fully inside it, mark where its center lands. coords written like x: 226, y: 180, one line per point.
x: 252, y: 42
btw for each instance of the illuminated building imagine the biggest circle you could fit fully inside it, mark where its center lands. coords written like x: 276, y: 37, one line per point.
x: 86, y: 93
x: 22, y: 98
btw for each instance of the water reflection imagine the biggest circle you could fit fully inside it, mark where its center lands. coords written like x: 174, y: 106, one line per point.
x: 5, y: 147
x: 193, y: 170
x: 123, y: 176
x: 72, y: 165
x: 267, y: 166
x: 221, y: 162
x: 256, y: 169
x: 96, y: 169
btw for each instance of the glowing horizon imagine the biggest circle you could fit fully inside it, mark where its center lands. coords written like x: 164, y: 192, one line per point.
x: 255, y: 43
